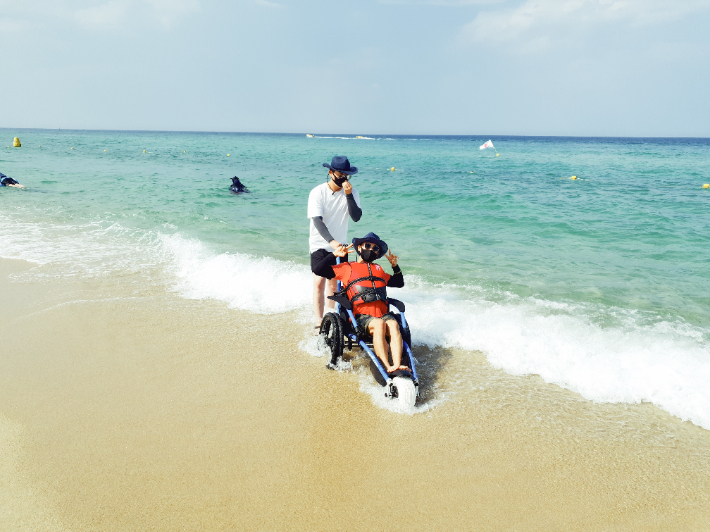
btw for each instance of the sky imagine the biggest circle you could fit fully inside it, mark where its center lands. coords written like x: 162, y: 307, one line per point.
x: 446, y: 67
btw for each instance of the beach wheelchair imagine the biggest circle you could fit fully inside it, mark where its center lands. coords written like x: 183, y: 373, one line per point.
x: 339, y: 331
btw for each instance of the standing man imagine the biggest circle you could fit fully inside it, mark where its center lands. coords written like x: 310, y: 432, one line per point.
x: 329, y: 207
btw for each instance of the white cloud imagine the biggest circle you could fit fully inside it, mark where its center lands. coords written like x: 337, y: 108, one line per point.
x: 108, y: 15
x: 97, y: 14
x: 538, y: 23
x: 267, y: 3
x: 441, y: 2
x: 11, y: 25
x: 169, y: 12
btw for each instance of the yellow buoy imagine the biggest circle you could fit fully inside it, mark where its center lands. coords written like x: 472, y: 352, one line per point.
x: 72, y: 148
x: 16, y: 143
x: 706, y: 185
x: 143, y: 151
x: 104, y: 150
x: 184, y: 151
x: 573, y: 177
x: 392, y: 169
x: 497, y: 154
x: 470, y: 172
x: 227, y: 155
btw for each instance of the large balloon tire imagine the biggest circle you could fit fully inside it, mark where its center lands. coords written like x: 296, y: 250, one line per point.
x: 333, y: 336
x: 406, y: 392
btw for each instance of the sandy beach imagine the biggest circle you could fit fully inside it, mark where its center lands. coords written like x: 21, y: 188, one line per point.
x: 125, y: 409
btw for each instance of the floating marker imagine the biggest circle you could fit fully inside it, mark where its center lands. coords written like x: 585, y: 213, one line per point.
x: 392, y: 169
x: 227, y: 155
x: 16, y: 143
x: 143, y: 151
x: 72, y: 148
x: 470, y: 172
x: 104, y: 150
x: 184, y: 151
x: 706, y: 185
x: 573, y: 177
x: 497, y: 154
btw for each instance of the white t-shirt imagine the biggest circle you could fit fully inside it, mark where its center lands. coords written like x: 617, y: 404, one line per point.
x: 333, y: 207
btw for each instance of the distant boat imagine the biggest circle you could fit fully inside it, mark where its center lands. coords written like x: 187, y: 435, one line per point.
x: 309, y: 135
x: 359, y: 137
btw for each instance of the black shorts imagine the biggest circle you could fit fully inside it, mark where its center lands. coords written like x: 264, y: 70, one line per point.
x: 363, y: 320
x: 319, y: 254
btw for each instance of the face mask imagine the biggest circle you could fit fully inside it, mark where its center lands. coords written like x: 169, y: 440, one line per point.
x: 339, y: 180
x: 368, y: 255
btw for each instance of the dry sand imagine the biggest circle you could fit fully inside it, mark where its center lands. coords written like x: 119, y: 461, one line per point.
x: 125, y: 410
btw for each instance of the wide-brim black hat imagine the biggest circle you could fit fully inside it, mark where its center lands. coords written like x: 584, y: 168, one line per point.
x: 341, y: 164
x: 373, y: 239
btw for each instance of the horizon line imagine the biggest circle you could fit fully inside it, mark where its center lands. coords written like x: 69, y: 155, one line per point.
x: 350, y: 134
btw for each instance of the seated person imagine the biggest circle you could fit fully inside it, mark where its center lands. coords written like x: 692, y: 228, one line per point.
x: 365, y: 286
x: 9, y: 182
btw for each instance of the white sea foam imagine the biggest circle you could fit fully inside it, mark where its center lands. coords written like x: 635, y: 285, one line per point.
x: 258, y: 284
x: 665, y: 363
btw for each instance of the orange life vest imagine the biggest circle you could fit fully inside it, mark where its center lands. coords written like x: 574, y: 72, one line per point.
x: 366, y: 285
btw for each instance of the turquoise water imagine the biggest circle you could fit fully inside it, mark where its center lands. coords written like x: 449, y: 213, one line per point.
x: 609, y: 271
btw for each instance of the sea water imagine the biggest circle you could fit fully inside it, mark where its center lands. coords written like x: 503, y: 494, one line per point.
x: 600, y: 284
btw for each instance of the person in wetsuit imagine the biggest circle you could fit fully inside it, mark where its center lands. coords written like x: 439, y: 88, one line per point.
x: 330, y: 205
x: 237, y: 186
x: 9, y: 182
x: 365, y: 284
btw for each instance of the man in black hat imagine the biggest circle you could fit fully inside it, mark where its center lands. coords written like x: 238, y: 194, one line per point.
x: 365, y: 284
x: 330, y: 205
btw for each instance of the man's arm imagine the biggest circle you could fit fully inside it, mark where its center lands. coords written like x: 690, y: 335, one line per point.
x: 354, y: 210
x: 322, y: 229
x: 397, y: 279
x: 323, y: 269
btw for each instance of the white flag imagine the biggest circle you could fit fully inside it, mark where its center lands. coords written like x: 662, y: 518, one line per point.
x: 488, y: 144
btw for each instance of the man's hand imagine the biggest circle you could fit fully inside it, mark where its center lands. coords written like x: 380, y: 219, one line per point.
x: 348, y: 188
x: 392, y: 258
x: 335, y: 244
x: 342, y: 251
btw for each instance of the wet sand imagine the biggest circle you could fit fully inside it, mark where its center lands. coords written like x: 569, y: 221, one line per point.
x: 124, y: 409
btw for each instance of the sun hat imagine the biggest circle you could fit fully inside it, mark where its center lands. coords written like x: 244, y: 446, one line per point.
x: 373, y: 239
x: 341, y: 164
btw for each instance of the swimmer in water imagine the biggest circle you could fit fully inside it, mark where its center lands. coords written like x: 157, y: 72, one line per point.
x: 237, y: 186
x: 9, y: 182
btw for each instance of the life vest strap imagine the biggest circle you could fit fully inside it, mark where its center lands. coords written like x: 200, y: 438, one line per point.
x: 368, y: 278
x: 368, y: 295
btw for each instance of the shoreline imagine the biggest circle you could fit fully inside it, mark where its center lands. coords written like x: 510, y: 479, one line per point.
x: 125, y: 411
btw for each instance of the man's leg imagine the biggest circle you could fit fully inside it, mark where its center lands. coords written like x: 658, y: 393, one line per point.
x: 330, y: 287
x: 377, y: 329
x: 318, y: 297
x: 395, y: 343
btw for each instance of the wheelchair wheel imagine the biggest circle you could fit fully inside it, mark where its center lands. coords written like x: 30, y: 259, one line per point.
x: 406, y: 394
x: 331, y: 332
